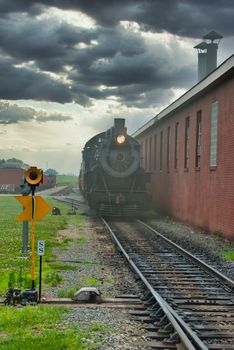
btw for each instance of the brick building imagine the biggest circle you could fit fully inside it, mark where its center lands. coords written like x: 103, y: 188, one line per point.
x: 188, y: 148
x: 10, y: 179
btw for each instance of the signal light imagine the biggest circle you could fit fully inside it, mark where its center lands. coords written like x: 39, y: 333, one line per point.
x: 33, y: 176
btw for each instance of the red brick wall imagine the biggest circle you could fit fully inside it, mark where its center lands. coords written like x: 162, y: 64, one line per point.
x: 11, y: 176
x: 205, y: 197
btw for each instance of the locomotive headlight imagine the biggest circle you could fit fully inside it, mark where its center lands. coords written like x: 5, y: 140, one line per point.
x: 121, y: 139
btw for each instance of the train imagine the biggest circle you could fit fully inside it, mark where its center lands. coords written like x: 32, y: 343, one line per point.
x: 111, y: 178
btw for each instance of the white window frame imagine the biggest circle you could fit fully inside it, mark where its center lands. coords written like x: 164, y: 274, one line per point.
x: 213, y: 134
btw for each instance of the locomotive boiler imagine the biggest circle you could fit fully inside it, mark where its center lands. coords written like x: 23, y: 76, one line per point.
x: 111, y: 178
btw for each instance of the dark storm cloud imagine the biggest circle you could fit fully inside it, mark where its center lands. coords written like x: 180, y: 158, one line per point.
x: 107, y: 61
x: 183, y: 17
x: 131, y: 75
x: 47, y: 42
x: 8, y: 6
x: 23, y: 83
x: 115, y: 58
x: 12, y: 114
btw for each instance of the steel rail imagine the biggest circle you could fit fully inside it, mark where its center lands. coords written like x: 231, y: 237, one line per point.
x: 179, y: 325
x: 201, y: 263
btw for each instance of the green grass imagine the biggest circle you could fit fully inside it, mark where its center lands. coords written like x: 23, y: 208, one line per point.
x: 77, y: 220
x: 41, y: 327
x: 67, y: 293
x: 92, y: 282
x: 12, y: 266
x: 46, y: 327
x: 63, y: 180
x: 81, y: 240
x: 53, y: 278
x: 229, y: 255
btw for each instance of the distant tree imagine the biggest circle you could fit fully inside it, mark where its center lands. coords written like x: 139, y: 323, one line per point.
x: 15, y: 160
x: 51, y: 172
x: 18, y: 162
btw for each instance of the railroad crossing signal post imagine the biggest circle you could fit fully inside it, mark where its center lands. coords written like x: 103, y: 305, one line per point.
x: 33, y: 177
x: 35, y: 208
x: 25, y: 190
x: 25, y: 237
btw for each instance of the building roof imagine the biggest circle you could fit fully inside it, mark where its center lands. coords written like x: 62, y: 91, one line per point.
x: 219, y: 74
x: 11, y: 165
x: 213, y: 36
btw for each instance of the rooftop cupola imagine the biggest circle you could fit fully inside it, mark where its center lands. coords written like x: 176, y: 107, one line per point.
x: 207, y: 54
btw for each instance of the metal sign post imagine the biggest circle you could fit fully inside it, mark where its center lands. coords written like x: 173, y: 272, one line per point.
x: 25, y: 191
x: 33, y: 244
x: 40, y: 252
x: 25, y: 238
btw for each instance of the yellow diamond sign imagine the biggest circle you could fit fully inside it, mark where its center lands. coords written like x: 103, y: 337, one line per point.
x: 41, y: 208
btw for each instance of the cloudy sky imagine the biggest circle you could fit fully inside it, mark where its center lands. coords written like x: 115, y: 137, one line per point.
x: 69, y: 67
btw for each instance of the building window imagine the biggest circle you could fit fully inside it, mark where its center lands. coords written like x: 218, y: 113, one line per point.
x: 161, y: 149
x: 198, y: 140
x: 155, y: 151
x: 142, y: 154
x: 213, y: 134
x: 146, y: 153
x: 176, y: 144
x: 150, y: 152
x: 168, y: 148
x: 186, y: 147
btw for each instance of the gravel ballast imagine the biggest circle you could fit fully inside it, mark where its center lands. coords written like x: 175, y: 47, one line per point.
x: 96, y: 261
x: 207, y: 247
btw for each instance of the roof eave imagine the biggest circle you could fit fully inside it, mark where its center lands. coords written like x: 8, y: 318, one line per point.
x: 209, y: 81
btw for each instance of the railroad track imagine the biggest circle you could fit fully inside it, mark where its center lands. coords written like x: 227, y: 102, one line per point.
x: 188, y: 304
x: 73, y: 202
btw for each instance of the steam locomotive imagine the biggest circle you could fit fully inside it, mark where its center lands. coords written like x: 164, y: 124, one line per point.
x: 111, y: 178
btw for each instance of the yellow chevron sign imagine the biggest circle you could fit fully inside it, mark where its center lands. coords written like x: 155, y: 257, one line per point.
x: 41, y: 208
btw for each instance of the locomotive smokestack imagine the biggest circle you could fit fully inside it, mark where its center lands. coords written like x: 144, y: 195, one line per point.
x: 207, y: 54
x: 119, y: 126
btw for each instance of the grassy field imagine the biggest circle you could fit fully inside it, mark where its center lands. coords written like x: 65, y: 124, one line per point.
x: 14, y: 269
x: 63, y: 180
x: 39, y: 327
x: 46, y: 327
